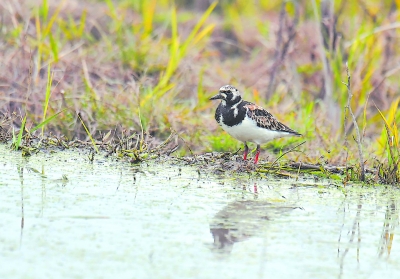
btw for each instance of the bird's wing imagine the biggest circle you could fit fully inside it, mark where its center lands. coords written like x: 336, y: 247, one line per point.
x: 266, y: 120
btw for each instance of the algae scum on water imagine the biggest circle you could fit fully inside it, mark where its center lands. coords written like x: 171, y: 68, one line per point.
x: 63, y: 216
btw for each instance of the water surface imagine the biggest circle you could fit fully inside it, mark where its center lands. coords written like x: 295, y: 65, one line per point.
x: 62, y: 216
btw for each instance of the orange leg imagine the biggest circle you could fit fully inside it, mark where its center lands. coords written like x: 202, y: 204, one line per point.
x: 246, y: 151
x: 257, y: 154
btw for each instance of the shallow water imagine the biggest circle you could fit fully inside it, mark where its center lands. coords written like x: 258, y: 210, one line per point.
x: 64, y: 217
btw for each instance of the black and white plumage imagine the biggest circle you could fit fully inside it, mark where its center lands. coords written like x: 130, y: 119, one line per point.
x: 246, y: 121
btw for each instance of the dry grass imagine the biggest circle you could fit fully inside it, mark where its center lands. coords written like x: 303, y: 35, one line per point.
x: 146, y: 66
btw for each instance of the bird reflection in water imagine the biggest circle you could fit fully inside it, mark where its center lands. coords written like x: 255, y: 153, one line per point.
x: 241, y: 220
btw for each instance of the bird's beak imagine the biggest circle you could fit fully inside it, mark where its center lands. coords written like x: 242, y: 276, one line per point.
x: 216, y: 97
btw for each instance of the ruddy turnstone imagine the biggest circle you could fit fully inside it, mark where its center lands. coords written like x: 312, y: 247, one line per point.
x: 246, y: 121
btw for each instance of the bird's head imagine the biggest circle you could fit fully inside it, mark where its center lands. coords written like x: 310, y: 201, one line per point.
x: 229, y: 95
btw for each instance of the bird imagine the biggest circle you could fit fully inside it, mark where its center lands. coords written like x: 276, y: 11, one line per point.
x: 247, y: 122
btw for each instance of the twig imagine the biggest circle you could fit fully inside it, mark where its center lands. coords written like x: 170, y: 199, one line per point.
x: 326, y: 67
x: 282, y: 47
x: 305, y: 166
x: 358, y: 139
x: 190, y: 150
x: 283, y: 154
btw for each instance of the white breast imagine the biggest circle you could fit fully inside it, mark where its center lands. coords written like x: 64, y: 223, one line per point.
x: 249, y: 131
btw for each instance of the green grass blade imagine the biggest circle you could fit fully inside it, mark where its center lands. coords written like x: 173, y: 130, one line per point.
x: 88, y: 133
x: 44, y: 10
x: 54, y: 47
x: 174, y: 53
x: 82, y: 24
x: 48, y: 93
x: 47, y: 29
x: 46, y: 121
x: 21, y: 131
x: 197, y: 27
x: 112, y: 11
x: 178, y: 51
x: 148, y: 15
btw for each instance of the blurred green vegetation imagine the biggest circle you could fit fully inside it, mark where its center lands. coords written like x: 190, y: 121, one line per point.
x: 151, y: 65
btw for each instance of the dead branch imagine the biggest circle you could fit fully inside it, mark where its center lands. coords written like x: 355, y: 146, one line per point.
x: 305, y: 166
x: 282, y: 46
x: 358, y: 138
x: 328, y: 98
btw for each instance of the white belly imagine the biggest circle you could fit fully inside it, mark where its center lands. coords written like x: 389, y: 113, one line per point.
x: 249, y: 131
